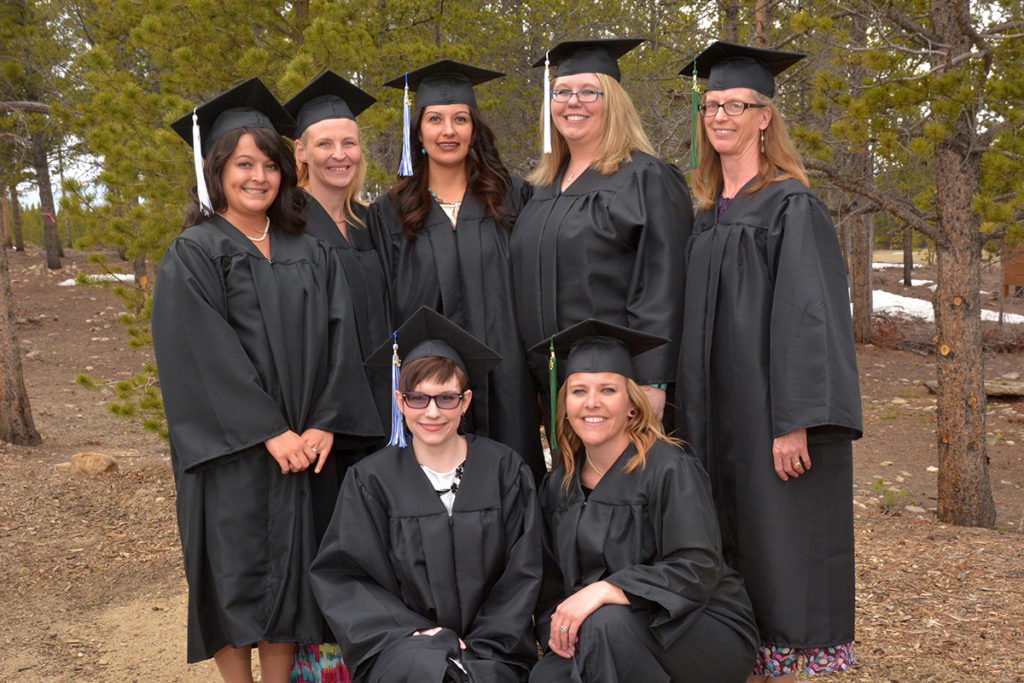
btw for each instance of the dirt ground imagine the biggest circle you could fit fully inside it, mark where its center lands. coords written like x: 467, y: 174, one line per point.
x: 92, y: 588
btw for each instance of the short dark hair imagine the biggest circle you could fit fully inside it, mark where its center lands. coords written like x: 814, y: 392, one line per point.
x: 286, y: 211
x: 431, y: 368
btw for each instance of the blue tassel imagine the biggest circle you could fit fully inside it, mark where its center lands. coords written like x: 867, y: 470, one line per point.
x: 397, y: 424
x: 405, y: 168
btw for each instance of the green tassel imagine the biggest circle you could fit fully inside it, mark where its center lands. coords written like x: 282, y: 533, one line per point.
x: 694, y: 101
x: 553, y: 387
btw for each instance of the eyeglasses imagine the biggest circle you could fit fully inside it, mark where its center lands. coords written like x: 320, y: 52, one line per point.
x: 710, y: 109
x: 586, y: 95
x: 418, y: 400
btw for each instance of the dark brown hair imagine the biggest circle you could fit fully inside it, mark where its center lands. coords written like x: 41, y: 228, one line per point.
x: 286, y: 211
x: 489, y: 180
x: 431, y: 368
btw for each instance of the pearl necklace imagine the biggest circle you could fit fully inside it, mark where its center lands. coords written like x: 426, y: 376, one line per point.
x: 266, y: 231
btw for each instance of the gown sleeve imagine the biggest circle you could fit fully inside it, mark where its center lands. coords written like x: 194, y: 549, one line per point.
x: 346, y: 406
x: 552, y: 587
x: 814, y: 381
x: 688, y: 566
x: 354, y: 584
x: 658, y: 203
x: 213, y: 397
x: 499, y: 624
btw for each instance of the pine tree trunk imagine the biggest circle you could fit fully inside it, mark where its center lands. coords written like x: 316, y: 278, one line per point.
x: 731, y: 27
x: 965, y: 493
x: 16, y: 424
x: 762, y: 23
x: 908, y: 255
x: 862, y: 227
x: 5, y: 222
x: 51, y: 237
x: 16, y: 236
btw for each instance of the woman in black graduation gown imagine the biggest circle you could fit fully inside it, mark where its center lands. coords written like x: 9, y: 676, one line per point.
x: 446, y: 230
x: 252, y: 329
x: 331, y: 168
x: 767, y: 367
x: 602, y: 233
x: 635, y: 587
x: 431, y: 566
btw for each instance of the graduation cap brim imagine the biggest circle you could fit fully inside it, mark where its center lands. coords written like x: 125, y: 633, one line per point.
x: 247, y: 105
x: 598, y: 346
x: 444, y: 82
x: 589, y: 56
x: 328, y: 96
x: 730, y: 65
x: 427, y: 333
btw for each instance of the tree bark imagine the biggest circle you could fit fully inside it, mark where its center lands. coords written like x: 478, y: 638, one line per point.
x: 965, y: 493
x: 731, y: 21
x: 140, y: 270
x: 762, y: 23
x: 16, y: 424
x: 908, y: 255
x: 16, y: 236
x: 5, y: 222
x: 862, y: 230
x: 50, y: 235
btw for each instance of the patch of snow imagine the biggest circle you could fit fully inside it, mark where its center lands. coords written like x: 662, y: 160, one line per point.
x: 919, y: 308
x: 881, y: 266
x: 102, y: 277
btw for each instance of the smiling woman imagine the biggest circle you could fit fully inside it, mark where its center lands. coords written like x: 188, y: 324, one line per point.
x: 635, y: 585
x: 446, y: 229
x: 254, y: 355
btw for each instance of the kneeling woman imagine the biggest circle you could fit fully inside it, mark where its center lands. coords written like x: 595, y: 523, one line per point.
x: 635, y: 588
x: 431, y: 566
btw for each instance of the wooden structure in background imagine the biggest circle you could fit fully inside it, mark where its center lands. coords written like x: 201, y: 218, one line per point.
x: 1013, y: 272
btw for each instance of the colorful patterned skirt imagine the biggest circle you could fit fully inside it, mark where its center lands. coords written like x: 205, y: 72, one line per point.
x: 318, y: 664
x: 775, y: 661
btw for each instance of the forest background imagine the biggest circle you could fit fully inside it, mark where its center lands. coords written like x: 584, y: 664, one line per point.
x: 908, y: 112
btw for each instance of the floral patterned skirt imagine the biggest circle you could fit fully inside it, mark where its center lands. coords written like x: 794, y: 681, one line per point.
x: 774, y: 661
x: 318, y: 664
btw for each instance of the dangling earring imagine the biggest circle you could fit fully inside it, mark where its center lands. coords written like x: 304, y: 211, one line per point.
x: 423, y: 150
x: 762, y: 142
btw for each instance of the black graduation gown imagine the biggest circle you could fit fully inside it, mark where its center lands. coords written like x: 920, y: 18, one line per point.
x: 247, y: 348
x: 394, y: 562
x: 465, y: 275
x: 364, y: 272
x: 606, y: 248
x: 767, y: 348
x: 652, y: 533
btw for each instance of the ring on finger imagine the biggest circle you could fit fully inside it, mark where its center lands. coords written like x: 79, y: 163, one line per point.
x: 798, y: 465
x: 563, y: 629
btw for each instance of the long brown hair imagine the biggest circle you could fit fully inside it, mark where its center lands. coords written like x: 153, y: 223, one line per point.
x: 354, y: 190
x: 285, y: 212
x: 644, y: 429
x: 621, y: 135
x: 489, y: 180
x: 779, y: 161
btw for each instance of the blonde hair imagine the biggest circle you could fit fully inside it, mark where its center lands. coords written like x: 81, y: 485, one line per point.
x: 779, y: 161
x: 644, y: 429
x: 622, y: 133
x: 354, y: 189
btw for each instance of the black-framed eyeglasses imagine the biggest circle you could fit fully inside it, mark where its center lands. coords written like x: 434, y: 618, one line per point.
x: 710, y: 109
x: 418, y: 400
x: 587, y: 95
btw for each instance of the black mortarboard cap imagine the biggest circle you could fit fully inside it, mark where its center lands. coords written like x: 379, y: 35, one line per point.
x: 248, y: 105
x: 328, y: 96
x: 729, y: 65
x: 589, y: 56
x: 598, y: 346
x: 444, y: 82
x: 428, y: 333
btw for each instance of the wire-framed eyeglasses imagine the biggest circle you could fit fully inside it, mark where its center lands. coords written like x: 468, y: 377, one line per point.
x: 586, y: 96
x: 732, y: 108
x: 446, y: 401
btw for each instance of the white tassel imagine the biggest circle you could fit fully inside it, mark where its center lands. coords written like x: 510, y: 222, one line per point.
x: 197, y: 159
x: 397, y: 423
x: 547, y: 104
x: 405, y: 168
